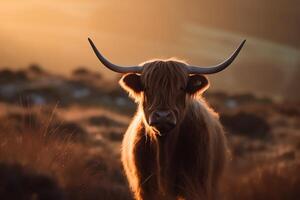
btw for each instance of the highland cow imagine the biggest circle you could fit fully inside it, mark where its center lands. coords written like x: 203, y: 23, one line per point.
x: 175, y: 147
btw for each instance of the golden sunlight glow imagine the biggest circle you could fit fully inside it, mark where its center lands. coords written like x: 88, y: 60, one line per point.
x: 53, y: 33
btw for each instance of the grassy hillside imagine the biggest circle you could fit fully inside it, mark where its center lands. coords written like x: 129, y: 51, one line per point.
x: 60, y: 138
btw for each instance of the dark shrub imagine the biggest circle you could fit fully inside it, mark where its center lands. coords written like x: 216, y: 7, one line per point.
x: 83, y: 71
x: 104, y: 121
x: 35, y: 68
x: 290, y: 110
x: 17, y: 183
x: 80, y: 71
x: 8, y: 76
x: 246, y: 124
x: 115, y: 136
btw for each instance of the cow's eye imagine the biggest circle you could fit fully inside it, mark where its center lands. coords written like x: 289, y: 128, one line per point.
x: 182, y: 88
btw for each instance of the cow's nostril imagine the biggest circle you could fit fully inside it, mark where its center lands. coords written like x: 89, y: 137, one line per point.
x: 156, y: 115
x: 163, y: 114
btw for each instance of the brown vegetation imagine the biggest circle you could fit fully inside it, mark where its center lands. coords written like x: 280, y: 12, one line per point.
x: 40, y: 158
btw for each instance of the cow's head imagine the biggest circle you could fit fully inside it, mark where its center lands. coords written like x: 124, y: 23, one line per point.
x: 162, y: 90
x: 163, y: 87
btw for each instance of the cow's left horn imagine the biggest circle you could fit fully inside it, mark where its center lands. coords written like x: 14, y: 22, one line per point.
x: 216, y: 68
x: 113, y: 67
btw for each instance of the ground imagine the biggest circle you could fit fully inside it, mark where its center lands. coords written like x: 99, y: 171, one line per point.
x: 60, y: 139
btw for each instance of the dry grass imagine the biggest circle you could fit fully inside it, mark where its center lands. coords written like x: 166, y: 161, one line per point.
x: 41, y: 164
x: 79, y: 172
x: 280, y: 181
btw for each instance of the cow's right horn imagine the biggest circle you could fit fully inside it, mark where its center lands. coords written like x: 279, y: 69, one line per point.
x: 113, y: 67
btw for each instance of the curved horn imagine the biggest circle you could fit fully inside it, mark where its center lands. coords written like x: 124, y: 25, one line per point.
x: 216, y: 68
x: 113, y: 67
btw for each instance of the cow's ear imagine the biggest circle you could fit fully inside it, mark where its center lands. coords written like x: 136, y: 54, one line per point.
x: 197, y: 84
x: 132, y: 84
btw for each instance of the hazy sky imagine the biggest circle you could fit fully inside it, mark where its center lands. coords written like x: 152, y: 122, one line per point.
x: 54, y: 34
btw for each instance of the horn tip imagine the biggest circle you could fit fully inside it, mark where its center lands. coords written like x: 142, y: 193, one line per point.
x: 241, y: 45
x: 91, y: 43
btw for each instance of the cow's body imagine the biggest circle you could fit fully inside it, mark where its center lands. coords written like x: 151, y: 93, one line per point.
x: 186, y: 163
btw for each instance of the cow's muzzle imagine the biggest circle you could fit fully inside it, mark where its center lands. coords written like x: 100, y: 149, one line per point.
x: 162, y: 120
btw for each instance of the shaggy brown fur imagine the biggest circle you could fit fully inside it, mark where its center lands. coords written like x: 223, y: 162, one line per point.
x: 187, y: 162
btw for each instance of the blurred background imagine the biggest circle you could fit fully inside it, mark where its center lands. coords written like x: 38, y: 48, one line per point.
x: 63, y: 114
x: 53, y: 33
